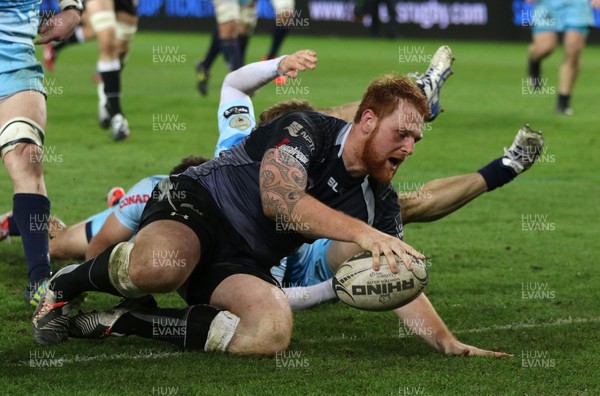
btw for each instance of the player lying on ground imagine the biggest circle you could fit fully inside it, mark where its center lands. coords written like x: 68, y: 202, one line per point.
x: 241, y: 285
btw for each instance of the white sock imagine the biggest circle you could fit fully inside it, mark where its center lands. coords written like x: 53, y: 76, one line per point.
x: 303, y: 297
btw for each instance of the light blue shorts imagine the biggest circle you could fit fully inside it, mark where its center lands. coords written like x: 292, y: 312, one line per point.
x: 95, y: 222
x: 19, y: 69
x: 561, y: 16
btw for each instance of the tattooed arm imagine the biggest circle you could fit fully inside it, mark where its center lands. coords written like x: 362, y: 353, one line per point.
x: 283, y: 182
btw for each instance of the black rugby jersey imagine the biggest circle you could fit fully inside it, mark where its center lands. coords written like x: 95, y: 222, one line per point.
x: 316, y: 141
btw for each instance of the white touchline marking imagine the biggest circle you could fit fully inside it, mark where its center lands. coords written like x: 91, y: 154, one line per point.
x: 525, y: 325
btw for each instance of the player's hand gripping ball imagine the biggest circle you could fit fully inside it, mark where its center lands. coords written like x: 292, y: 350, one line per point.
x: 358, y: 285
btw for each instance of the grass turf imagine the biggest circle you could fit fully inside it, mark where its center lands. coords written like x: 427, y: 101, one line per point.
x: 481, y: 258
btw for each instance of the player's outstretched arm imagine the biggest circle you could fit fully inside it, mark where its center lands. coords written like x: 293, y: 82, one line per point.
x: 420, y: 318
x: 111, y: 233
x: 283, y: 193
x: 246, y: 80
x: 440, y: 197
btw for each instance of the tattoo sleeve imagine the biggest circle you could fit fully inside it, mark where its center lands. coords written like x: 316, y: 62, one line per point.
x: 282, y: 182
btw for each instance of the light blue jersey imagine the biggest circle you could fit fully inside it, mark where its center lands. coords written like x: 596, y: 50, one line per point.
x: 19, y: 69
x: 236, y: 121
x: 130, y: 207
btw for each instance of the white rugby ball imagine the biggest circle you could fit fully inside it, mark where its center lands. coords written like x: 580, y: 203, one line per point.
x: 358, y: 285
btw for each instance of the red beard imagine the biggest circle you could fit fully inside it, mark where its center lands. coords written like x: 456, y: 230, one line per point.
x: 377, y: 166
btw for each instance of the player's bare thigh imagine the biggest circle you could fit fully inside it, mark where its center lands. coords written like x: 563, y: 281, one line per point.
x: 543, y: 44
x: 105, y: 31
x: 265, y: 315
x: 164, y: 255
x: 131, y: 21
x: 23, y: 163
x: 573, y: 43
x: 28, y: 104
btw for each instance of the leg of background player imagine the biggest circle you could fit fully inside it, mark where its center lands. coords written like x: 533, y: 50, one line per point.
x: 24, y: 163
x: 284, y: 11
x: 203, y: 67
x: 228, y: 36
x: 126, y: 28
x: 542, y: 45
x: 103, y: 19
x: 573, y: 43
x: 248, y: 21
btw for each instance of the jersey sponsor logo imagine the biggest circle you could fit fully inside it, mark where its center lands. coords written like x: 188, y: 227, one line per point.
x: 240, y: 122
x: 133, y: 199
x: 294, y: 128
x: 236, y: 110
x: 294, y: 152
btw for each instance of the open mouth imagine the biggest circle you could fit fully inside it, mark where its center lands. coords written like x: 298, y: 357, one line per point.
x: 394, y: 161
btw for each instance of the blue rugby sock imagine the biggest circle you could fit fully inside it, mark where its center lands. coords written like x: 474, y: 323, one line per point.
x: 278, y: 34
x: 231, y: 51
x: 13, y: 229
x: 213, y: 50
x: 31, y: 213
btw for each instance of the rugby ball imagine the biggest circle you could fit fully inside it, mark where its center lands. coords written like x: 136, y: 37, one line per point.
x: 358, y: 285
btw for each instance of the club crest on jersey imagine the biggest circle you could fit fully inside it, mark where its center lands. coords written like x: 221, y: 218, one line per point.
x: 240, y: 122
x: 236, y: 110
x: 294, y: 129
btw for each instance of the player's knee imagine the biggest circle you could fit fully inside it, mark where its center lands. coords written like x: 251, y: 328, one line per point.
x: 103, y: 20
x: 273, y: 326
x: 279, y: 335
x: 18, y: 131
x: 21, y: 142
x: 229, y: 30
x: 248, y: 20
x: 572, y: 55
x: 125, y: 32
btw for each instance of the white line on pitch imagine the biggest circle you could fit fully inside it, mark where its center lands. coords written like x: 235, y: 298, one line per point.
x: 525, y: 325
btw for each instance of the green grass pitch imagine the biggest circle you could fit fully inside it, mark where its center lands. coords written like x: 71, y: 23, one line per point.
x: 513, y: 271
